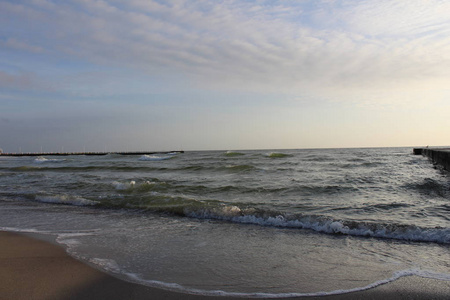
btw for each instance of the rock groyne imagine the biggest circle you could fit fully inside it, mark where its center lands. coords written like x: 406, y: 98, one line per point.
x: 440, y: 156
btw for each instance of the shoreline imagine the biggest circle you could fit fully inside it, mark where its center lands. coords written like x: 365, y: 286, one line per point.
x: 33, y: 268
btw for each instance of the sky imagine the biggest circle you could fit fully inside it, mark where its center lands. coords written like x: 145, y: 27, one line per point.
x: 147, y: 75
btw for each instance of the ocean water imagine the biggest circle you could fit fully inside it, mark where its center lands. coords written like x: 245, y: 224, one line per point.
x: 244, y: 223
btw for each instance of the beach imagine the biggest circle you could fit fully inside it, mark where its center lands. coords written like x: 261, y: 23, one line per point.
x: 36, y: 269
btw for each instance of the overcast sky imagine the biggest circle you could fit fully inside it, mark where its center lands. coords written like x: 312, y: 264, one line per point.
x: 121, y: 75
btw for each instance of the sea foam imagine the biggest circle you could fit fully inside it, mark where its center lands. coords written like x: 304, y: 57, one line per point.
x: 41, y: 160
x: 65, y: 199
x: 322, y: 224
x: 180, y: 288
x: 124, y: 186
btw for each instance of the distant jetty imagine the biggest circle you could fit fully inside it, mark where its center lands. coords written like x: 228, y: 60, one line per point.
x: 86, y: 153
x: 439, y: 156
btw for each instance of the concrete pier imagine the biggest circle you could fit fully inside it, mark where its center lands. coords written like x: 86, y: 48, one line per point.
x: 85, y: 153
x: 440, y: 156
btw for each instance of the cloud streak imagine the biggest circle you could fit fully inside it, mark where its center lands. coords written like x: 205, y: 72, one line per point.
x: 256, y: 46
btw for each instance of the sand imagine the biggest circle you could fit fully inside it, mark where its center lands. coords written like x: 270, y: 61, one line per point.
x: 34, y: 269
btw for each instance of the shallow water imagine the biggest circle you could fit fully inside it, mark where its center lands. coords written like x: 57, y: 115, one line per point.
x: 251, y: 223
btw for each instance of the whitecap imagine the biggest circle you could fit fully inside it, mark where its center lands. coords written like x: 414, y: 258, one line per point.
x: 124, y: 186
x: 154, y: 157
x: 329, y: 226
x: 65, y: 199
x: 42, y: 159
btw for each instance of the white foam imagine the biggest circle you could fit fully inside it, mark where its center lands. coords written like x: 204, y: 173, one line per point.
x: 60, y: 235
x: 155, y: 157
x: 109, y: 265
x: 64, y: 238
x: 231, y: 152
x: 23, y: 230
x: 124, y: 186
x: 234, y: 214
x: 180, y: 288
x: 41, y: 160
x: 65, y: 199
x: 70, y: 241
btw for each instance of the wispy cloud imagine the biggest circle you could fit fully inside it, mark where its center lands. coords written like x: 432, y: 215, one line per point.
x: 23, y: 81
x: 308, y: 47
x: 13, y: 43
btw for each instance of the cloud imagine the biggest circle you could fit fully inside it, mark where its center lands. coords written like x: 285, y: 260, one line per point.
x: 396, y: 18
x: 20, y: 45
x: 309, y: 47
x: 16, y: 81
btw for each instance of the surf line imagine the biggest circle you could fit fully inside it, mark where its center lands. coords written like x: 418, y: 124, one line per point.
x: 177, y: 287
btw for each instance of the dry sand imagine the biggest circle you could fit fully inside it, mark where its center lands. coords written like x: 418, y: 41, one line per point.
x: 33, y: 269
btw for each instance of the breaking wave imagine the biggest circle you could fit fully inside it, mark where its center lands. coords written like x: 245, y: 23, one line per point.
x: 124, y: 186
x: 323, y: 224
x: 41, y: 160
x: 155, y: 157
x: 215, y: 210
x: 65, y: 199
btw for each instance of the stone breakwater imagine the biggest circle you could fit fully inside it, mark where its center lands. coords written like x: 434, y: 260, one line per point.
x: 439, y: 156
x: 85, y: 153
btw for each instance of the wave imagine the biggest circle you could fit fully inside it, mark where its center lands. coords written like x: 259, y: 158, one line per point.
x: 151, y: 197
x: 70, y: 241
x: 319, y: 158
x: 233, y: 153
x: 111, y: 265
x: 277, y: 155
x: 387, y: 206
x: 323, y: 224
x: 239, y: 168
x: 213, y: 209
x: 65, y: 199
x: 85, y: 168
x: 155, y: 157
x: 143, y: 187
x: 154, y: 184
x: 41, y: 160
x: 124, y: 186
x: 131, y: 168
x: 220, y: 168
x: 356, y: 165
x: 430, y: 187
x: 25, y: 168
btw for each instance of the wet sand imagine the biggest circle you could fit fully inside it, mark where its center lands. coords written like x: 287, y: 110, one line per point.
x: 34, y: 269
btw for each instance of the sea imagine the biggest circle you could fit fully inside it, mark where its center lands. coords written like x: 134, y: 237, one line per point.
x: 260, y: 223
